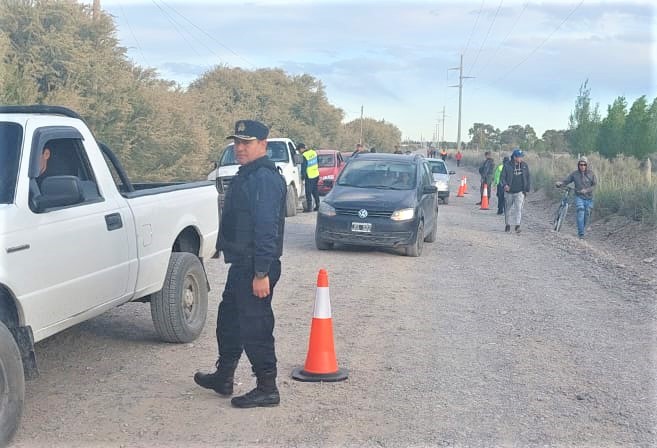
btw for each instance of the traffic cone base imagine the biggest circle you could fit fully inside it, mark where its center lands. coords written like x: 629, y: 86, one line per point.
x: 301, y: 375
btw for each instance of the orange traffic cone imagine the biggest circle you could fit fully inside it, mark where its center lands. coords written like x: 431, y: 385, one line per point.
x: 321, y: 363
x: 465, y: 185
x: 484, y: 198
x: 461, y: 191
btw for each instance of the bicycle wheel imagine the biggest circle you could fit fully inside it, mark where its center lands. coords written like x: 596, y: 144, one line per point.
x: 561, y: 217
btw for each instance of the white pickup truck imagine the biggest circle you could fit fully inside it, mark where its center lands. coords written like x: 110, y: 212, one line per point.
x: 79, y: 238
x: 283, y: 153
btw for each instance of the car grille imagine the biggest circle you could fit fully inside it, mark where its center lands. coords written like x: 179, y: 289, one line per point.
x: 374, y: 239
x: 370, y: 213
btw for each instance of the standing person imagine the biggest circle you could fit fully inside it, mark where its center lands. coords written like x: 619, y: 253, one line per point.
x: 251, y: 239
x: 497, y: 184
x: 585, y: 181
x: 516, y: 183
x: 310, y: 175
x: 443, y: 154
x: 459, y: 156
x: 398, y: 150
x: 486, y: 171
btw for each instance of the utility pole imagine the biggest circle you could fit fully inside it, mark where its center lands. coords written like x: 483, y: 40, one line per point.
x: 361, y: 125
x: 460, y: 86
x: 443, y: 124
x: 95, y: 11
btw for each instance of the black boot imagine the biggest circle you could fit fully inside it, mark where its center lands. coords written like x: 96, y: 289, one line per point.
x: 264, y: 395
x: 221, y: 381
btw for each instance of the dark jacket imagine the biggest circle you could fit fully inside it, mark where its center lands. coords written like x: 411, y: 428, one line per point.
x: 486, y: 170
x: 253, y: 218
x: 585, y: 180
x: 507, y: 175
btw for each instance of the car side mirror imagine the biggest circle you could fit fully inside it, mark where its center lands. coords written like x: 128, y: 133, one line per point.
x: 59, y: 191
x: 297, y: 158
x: 429, y: 189
x: 452, y: 172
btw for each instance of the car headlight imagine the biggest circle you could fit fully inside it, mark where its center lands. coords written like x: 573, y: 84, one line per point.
x: 441, y: 185
x: 403, y: 214
x: 326, y: 209
x: 329, y: 177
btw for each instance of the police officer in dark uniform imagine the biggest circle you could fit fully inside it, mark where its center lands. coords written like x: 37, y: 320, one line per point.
x: 251, y: 239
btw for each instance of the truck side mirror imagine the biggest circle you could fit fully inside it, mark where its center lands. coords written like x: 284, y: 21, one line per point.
x: 297, y: 158
x: 59, y: 191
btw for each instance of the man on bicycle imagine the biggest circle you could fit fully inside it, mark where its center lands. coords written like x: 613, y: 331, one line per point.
x: 584, y: 180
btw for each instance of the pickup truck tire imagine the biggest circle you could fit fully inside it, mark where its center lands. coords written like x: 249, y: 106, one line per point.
x: 180, y: 308
x: 291, y: 201
x: 12, y: 386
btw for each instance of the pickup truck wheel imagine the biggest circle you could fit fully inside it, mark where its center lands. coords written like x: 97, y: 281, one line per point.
x: 415, y: 249
x: 291, y: 201
x: 12, y: 386
x: 180, y: 308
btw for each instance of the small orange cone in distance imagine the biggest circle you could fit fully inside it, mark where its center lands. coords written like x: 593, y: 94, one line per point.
x: 321, y: 362
x: 461, y: 191
x: 465, y: 185
x: 484, y: 198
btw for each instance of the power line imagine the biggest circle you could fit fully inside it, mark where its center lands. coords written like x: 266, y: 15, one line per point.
x: 487, y: 34
x: 125, y: 18
x: 473, y: 28
x: 175, y: 26
x: 538, y: 47
x: 208, y: 34
x: 503, y: 41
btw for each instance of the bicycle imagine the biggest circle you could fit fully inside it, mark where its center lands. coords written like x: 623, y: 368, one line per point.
x: 560, y: 217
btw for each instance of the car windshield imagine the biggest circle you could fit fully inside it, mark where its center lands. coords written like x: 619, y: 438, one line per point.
x: 380, y: 174
x: 277, y: 152
x: 437, y: 167
x: 11, y: 138
x: 326, y: 160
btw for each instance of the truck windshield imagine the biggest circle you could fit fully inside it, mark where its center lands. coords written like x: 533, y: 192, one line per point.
x: 277, y: 152
x: 11, y: 138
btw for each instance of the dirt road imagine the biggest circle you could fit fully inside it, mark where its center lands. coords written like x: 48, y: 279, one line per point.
x: 488, y: 339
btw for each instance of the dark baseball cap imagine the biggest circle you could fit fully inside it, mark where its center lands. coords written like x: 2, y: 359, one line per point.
x: 250, y: 130
x: 301, y: 146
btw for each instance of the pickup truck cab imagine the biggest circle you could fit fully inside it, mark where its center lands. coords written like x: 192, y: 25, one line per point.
x: 77, y: 238
x: 281, y: 151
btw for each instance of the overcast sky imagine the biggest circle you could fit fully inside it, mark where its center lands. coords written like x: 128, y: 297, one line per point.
x: 528, y: 59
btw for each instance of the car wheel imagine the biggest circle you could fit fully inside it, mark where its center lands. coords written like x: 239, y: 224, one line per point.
x: 431, y: 237
x: 179, y: 309
x: 320, y: 243
x: 415, y: 249
x: 291, y: 201
x: 12, y: 386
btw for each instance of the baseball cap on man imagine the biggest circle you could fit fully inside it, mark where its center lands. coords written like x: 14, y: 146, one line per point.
x: 301, y: 146
x: 250, y: 130
x: 517, y: 153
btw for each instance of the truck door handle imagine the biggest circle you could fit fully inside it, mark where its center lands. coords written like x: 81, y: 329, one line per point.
x: 113, y: 221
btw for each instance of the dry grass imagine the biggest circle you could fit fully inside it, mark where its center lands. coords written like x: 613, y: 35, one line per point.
x: 622, y: 188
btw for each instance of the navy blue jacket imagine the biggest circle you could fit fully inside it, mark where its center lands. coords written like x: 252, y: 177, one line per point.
x: 507, y: 175
x: 253, y: 218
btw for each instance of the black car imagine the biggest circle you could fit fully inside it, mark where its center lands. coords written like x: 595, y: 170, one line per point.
x: 384, y: 200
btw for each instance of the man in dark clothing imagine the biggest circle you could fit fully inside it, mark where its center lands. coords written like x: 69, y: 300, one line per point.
x: 486, y: 171
x: 310, y: 176
x: 516, y: 183
x: 585, y: 181
x: 251, y: 239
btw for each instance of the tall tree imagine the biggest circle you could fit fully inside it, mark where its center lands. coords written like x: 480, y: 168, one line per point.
x: 484, y: 136
x: 637, y: 129
x: 611, y: 135
x: 584, y: 122
x: 555, y: 141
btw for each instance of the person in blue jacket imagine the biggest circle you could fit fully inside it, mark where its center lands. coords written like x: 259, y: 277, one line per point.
x: 251, y: 239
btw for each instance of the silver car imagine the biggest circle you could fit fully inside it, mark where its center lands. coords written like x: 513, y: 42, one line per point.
x: 441, y: 174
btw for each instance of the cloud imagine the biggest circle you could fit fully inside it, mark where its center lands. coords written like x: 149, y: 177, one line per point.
x: 184, y: 69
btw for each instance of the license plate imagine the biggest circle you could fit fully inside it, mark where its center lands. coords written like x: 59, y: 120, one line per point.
x: 364, y: 227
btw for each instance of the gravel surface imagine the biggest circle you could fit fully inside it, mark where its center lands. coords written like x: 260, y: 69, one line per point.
x: 488, y: 339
